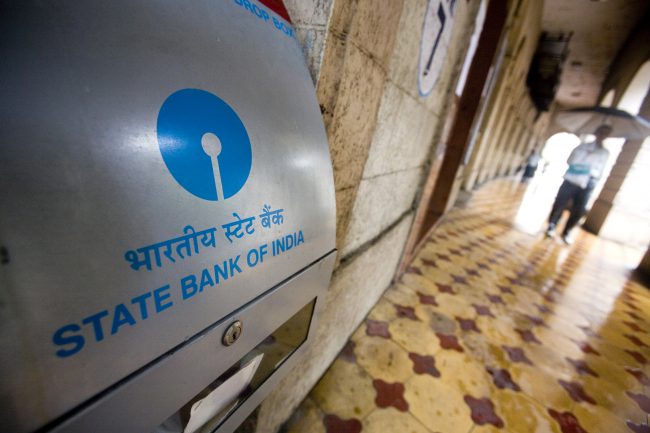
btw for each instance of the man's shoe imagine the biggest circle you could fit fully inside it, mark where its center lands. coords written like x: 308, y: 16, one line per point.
x: 550, y: 232
x: 567, y: 239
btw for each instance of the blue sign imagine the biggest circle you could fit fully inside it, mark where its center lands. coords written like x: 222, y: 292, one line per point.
x: 204, y: 144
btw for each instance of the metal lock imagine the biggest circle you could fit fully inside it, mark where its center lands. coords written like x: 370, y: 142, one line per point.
x: 232, y: 334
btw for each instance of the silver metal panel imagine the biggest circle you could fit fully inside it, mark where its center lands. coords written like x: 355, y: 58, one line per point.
x: 87, y: 176
x: 158, y: 392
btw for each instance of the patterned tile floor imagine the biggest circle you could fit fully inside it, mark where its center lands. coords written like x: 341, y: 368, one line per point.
x: 493, y: 329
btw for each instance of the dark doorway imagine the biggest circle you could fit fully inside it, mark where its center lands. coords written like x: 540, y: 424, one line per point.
x: 444, y: 168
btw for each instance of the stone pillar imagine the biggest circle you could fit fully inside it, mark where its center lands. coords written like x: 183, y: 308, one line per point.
x: 605, y: 201
x: 499, y: 143
x: 644, y: 266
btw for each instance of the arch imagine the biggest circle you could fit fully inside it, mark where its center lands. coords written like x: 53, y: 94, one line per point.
x: 556, y: 151
x: 624, y: 213
x: 608, y: 99
x: 636, y: 91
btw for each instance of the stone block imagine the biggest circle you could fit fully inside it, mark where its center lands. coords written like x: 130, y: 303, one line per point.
x: 387, y: 123
x: 309, y: 12
x: 309, y: 19
x: 374, y: 26
x: 312, y: 40
x: 404, y: 140
x: 404, y: 62
x: 355, y: 116
x: 329, y: 79
x: 344, y: 203
x: 379, y: 203
x: 342, y: 16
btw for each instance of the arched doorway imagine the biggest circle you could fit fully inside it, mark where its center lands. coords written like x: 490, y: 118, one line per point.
x: 628, y: 218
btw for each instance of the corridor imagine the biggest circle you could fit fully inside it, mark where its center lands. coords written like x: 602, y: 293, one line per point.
x: 493, y: 328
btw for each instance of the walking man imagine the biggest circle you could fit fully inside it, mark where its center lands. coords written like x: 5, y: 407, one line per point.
x: 586, y: 165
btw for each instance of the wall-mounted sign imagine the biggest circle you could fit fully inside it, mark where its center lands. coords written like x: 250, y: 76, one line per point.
x: 164, y: 167
x: 436, y: 33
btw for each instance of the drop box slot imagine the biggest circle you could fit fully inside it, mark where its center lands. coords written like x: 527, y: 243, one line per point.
x: 215, y: 404
x: 179, y: 377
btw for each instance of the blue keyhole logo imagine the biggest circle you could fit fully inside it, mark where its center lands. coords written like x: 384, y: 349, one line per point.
x: 204, y: 144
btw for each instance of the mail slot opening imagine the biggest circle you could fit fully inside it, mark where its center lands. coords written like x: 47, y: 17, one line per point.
x: 206, y: 411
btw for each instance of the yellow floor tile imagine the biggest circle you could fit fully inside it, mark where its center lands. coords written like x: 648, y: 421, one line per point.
x: 440, y: 407
x: 541, y: 386
x: 392, y: 420
x: 384, y: 310
x: 524, y: 415
x: 383, y: 359
x: 596, y: 419
x: 493, y: 329
x: 464, y: 373
x: 414, y: 336
x: 345, y: 390
x: 308, y: 418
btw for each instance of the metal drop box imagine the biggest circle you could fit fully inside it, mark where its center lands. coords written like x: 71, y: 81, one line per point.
x: 167, y: 213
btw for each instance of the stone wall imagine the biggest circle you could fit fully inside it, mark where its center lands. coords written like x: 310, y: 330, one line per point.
x: 381, y: 133
x: 510, y: 126
x: 309, y: 18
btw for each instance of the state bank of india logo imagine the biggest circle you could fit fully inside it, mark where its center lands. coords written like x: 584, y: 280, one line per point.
x: 204, y: 144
